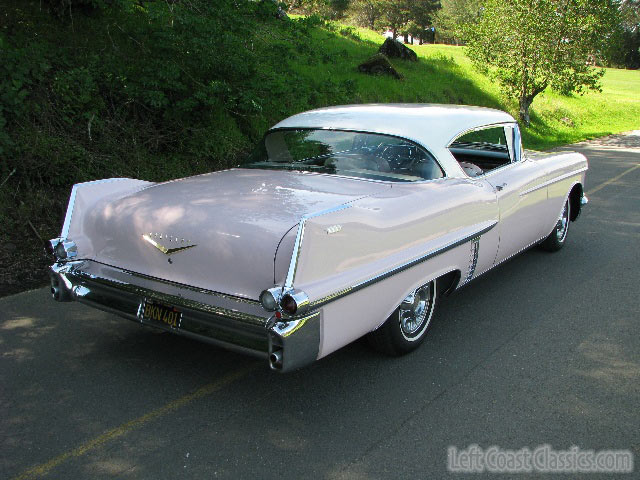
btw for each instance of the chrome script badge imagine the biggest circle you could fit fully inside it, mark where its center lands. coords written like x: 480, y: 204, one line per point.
x: 160, y: 241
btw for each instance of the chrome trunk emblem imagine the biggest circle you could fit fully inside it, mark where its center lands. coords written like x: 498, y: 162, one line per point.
x: 175, y: 244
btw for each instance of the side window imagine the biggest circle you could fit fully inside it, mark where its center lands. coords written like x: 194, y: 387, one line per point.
x: 483, y: 150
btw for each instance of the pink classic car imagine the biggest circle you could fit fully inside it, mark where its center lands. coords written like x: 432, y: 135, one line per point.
x: 344, y: 222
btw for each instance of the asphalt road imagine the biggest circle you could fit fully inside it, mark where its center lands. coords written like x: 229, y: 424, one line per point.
x: 544, y: 349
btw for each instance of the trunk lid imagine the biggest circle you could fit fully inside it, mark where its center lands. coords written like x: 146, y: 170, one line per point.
x: 218, y: 231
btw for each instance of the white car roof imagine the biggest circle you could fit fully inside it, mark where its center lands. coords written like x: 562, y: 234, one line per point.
x: 432, y: 125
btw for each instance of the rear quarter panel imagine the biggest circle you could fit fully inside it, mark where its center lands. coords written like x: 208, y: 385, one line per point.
x: 379, y: 233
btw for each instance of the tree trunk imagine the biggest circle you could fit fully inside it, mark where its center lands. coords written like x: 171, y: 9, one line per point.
x: 527, y: 99
x: 525, y: 103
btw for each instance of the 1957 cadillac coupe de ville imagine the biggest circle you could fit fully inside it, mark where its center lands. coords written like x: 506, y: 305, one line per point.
x: 344, y: 222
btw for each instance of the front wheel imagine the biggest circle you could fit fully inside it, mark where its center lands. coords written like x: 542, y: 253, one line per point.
x: 407, y: 326
x: 556, y: 239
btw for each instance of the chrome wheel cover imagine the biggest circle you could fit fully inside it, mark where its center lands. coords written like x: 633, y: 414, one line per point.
x: 563, y: 223
x: 414, y: 313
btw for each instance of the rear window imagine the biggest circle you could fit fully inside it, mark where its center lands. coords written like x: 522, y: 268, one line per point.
x: 353, y: 154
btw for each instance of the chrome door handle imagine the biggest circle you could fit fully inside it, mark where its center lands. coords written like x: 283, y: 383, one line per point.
x: 500, y: 187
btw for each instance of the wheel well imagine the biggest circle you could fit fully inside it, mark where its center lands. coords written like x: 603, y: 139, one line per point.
x: 448, y: 282
x: 574, y: 198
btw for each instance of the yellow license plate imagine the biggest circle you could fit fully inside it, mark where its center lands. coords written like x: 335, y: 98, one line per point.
x: 160, y: 313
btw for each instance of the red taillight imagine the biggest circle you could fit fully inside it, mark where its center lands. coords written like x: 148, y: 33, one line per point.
x: 289, y: 305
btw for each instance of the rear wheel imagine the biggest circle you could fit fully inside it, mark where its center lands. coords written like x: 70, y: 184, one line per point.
x: 407, y: 326
x: 556, y: 239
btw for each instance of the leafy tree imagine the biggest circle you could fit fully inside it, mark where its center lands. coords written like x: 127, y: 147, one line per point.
x: 626, y: 50
x: 630, y: 13
x: 456, y: 15
x: 337, y: 8
x: 301, y: 6
x: 396, y: 15
x: 368, y: 12
x: 421, y: 14
x: 408, y: 16
x: 529, y: 45
x: 332, y: 9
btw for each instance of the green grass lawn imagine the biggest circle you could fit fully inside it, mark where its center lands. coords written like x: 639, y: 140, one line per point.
x: 444, y: 74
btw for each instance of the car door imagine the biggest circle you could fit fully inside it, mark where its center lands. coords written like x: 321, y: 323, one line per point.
x: 494, y: 154
x: 520, y: 201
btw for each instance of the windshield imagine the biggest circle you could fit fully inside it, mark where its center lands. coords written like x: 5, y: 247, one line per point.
x: 352, y: 154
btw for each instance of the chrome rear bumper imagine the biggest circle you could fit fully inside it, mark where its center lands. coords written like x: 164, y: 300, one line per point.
x: 230, y: 322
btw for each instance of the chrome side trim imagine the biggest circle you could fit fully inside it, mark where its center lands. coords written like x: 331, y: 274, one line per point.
x: 552, y: 181
x: 293, y: 264
x: 509, y: 257
x: 72, y: 201
x: 473, y: 258
x: 400, y: 268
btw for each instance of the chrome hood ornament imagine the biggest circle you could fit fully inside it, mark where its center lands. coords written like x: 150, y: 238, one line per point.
x: 175, y: 244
